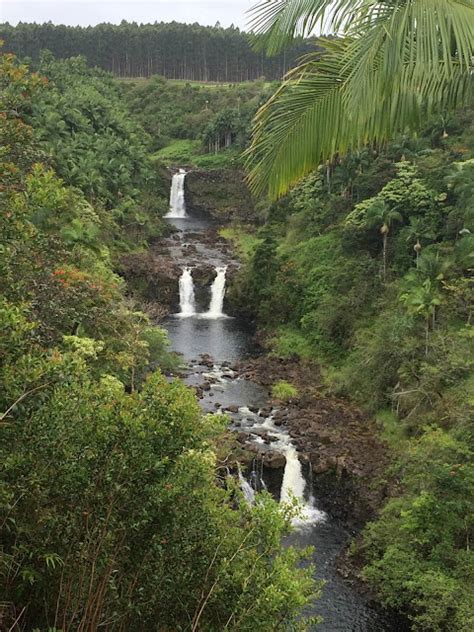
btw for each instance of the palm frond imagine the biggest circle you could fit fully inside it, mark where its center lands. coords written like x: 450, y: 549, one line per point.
x: 403, y: 60
x: 277, y: 22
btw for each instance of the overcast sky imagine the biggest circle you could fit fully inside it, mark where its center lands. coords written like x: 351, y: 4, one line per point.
x: 86, y: 12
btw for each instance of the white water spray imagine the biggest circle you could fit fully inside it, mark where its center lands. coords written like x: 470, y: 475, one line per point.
x: 187, y: 301
x: 177, y: 202
x: 294, y: 485
x: 247, y: 489
x: 293, y: 481
x: 217, y: 295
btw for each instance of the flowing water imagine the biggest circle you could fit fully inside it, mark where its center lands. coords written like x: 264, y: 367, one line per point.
x: 206, y: 333
x: 177, y: 201
x: 187, y: 300
x: 217, y: 294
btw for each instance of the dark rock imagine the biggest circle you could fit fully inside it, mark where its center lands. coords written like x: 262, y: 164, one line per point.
x: 274, y: 459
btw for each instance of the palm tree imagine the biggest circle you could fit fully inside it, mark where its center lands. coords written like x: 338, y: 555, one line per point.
x: 422, y: 299
x: 392, y: 63
x: 379, y: 214
x: 414, y: 232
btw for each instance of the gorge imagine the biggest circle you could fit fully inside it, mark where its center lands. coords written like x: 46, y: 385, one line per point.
x: 213, y: 346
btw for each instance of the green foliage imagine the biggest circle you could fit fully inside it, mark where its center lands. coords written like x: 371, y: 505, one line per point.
x: 384, y: 68
x: 112, y: 510
x: 284, y: 391
x: 418, y: 553
x: 402, y: 348
x: 112, y: 499
x: 181, y: 152
x: 96, y: 146
x: 243, y: 238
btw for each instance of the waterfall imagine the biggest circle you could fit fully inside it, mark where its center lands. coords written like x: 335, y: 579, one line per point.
x: 177, y: 202
x: 294, y: 484
x: 293, y: 481
x: 247, y: 489
x: 217, y: 295
x: 187, y: 301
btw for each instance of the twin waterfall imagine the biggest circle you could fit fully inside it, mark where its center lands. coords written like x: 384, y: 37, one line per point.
x: 187, y: 302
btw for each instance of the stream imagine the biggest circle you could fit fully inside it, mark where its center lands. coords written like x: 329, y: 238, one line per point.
x: 211, y: 344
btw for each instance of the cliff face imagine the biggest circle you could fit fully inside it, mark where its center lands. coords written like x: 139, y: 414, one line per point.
x: 221, y: 194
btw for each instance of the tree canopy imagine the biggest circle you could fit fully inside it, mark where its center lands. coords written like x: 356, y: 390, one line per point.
x: 171, y: 50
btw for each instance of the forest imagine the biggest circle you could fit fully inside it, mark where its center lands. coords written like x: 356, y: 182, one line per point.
x: 170, y: 50
x: 356, y: 264
x: 103, y: 460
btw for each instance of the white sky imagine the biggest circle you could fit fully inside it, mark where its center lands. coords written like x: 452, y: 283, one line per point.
x: 89, y: 12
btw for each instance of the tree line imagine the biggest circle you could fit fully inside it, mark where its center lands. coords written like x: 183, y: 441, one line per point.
x: 172, y: 50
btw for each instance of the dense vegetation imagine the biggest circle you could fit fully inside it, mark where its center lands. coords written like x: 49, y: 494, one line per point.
x: 367, y: 264
x: 115, y: 507
x: 366, y: 267
x: 191, y: 124
x: 171, y: 50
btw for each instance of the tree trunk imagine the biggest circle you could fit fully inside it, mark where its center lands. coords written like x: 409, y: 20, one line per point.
x: 384, y: 256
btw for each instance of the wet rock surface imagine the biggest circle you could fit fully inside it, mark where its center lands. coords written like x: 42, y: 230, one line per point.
x: 347, y: 458
x: 221, y: 194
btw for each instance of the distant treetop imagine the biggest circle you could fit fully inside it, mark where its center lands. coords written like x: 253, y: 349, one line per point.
x: 172, y: 50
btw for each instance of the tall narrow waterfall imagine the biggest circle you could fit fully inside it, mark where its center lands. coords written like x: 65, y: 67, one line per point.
x: 217, y: 295
x: 177, y: 202
x: 187, y: 301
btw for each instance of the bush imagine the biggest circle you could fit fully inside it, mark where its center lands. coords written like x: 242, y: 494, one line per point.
x: 284, y: 391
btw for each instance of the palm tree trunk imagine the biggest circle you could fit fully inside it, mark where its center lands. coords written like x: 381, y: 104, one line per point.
x: 384, y: 255
x: 328, y: 176
x: 427, y: 335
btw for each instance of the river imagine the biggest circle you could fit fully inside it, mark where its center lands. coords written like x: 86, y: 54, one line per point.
x: 211, y: 344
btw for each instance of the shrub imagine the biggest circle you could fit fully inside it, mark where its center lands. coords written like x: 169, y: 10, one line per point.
x: 284, y: 391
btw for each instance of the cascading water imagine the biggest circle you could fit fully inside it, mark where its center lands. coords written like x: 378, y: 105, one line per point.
x: 294, y: 484
x: 187, y: 300
x: 217, y: 295
x: 247, y: 489
x: 177, y: 202
x: 293, y: 481
x: 228, y: 341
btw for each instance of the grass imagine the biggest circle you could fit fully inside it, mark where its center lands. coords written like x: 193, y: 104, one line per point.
x: 225, y: 159
x: 288, y: 341
x: 284, y: 391
x: 242, y: 238
x: 188, y: 152
x: 198, y: 84
x: 181, y: 151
